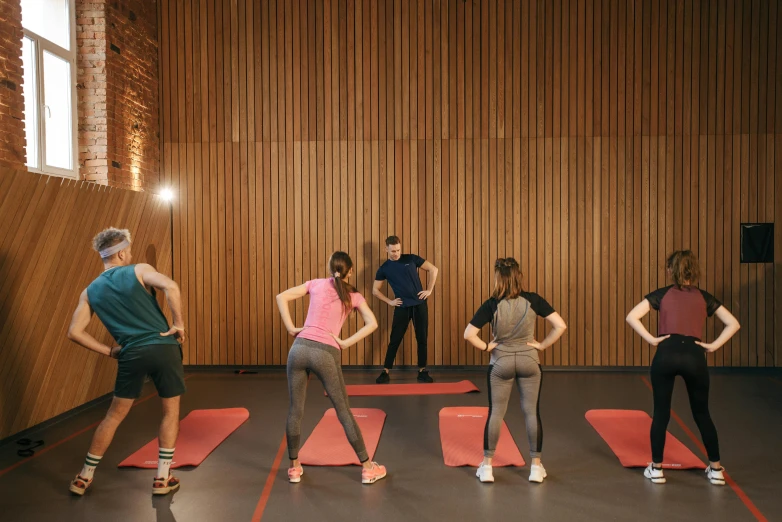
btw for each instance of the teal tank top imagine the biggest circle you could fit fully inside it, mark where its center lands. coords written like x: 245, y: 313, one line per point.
x: 130, y: 313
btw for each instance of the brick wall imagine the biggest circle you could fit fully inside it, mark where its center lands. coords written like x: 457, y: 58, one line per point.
x: 91, y: 90
x: 12, y: 137
x: 119, y: 141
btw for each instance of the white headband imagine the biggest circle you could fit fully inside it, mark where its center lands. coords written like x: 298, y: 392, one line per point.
x: 108, y: 252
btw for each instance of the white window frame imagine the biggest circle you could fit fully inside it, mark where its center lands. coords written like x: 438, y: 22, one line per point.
x: 41, y: 44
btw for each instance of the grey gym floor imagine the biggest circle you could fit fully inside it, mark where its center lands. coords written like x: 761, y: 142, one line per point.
x: 586, y: 481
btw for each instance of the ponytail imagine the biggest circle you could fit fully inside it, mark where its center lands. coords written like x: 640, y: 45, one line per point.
x: 684, y: 267
x: 508, y: 279
x: 339, y: 267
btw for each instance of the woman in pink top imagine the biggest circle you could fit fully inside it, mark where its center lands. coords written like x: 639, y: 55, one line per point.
x: 317, y: 350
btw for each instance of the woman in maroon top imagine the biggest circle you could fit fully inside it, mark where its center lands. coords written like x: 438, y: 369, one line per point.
x: 683, y: 310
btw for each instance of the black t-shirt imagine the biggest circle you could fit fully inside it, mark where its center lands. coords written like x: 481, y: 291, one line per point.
x: 403, y: 277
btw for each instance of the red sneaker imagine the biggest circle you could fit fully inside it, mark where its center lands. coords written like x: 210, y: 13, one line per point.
x: 373, y: 474
x: 294, y: 474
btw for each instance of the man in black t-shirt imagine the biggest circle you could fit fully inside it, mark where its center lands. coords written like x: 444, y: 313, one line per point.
x: 401, y: 272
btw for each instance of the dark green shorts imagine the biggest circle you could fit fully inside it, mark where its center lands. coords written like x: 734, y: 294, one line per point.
x: 162, y: 362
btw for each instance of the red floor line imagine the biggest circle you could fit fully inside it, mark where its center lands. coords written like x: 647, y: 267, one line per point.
x: 267, y: 488
x: 732, y: 483
x: 71, y: 436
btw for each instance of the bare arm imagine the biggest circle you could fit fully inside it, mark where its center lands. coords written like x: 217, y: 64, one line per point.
x: 472, y: 336
x: 370, y: 325
x: 151, y: 278
x: 291, y: 294
x: 377, y: 293
x: 558, y: 328
x: 634, y: 320
x: 432, y: 271
x: 77, y: 330
x: 731, y: 327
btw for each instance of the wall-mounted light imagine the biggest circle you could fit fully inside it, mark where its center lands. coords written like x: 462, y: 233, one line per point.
x: 167, y: 194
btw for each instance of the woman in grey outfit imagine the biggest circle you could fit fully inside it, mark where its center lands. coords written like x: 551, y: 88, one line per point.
x: 514, y: 357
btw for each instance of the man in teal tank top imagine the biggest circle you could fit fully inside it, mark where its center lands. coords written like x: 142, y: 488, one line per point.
x: 123, y: 298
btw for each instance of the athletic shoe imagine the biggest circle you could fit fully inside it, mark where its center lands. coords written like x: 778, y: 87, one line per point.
x: 716, y: 476
x: 537, y: 473
x: 294, y: 474
x: 384, y: 378
x: 654, y: 474
x: 163, y: 486
x: 373, y: 474
x: 79, y: 485
x: 423, y: 376
x: 484, y: 473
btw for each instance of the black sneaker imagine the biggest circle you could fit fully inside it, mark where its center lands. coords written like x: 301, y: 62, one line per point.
x: 384, y: 378
x: 423, y: 376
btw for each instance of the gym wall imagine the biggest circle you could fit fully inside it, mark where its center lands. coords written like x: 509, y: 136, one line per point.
x: 46, y: 260
x: 12, y: 143
x: 586, y: 138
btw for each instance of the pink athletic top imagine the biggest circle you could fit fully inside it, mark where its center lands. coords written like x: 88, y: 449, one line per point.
x: 326, y: 314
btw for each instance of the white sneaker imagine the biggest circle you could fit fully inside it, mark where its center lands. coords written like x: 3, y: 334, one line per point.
x: 654, y: 474
x: 537, y: 473
x: 716, y: 476
x: 484, y: 473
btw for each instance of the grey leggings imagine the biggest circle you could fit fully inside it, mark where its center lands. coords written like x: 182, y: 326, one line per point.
x: 526, y: 372
x: 324, y: 361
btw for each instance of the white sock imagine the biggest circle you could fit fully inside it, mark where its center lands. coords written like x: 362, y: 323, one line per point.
x: 90, y: 463
x: 165, y: 457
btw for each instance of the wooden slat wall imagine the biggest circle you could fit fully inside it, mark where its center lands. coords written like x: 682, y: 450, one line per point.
x: 587, y: 138
x: 46, y: 260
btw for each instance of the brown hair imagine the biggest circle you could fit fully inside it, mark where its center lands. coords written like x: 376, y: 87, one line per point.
x: 339, y: 266
x: 684, y: 267
x: 392, y: 240
x: 507, y: 279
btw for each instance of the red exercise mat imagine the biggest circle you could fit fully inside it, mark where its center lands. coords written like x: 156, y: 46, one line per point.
x: 328, y: 445
x: 200, y: 432
x: 461, y: 435
x: 437, y: 388
x: 627, y: 434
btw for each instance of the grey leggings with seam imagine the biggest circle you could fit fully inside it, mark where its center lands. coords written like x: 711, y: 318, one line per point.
x: 324, y: 361
x: 525, y: 370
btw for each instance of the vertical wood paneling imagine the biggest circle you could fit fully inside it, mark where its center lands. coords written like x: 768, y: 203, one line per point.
x: 587, y: 138
x: 46, y: 261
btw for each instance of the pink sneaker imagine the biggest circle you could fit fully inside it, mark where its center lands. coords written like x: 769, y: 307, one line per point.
x: 373, y: 474
x: 294, y: 474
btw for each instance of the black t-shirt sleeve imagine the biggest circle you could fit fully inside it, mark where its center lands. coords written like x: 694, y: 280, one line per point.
x: 418, y: 260
x: 539, y: 305
x: 485, y: 314
x: 712, y: 303
x: 656, y: 297
x: 380, y: 275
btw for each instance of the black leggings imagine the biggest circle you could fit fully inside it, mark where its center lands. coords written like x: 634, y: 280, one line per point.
x: 419, y: 315
x: 679, y: 355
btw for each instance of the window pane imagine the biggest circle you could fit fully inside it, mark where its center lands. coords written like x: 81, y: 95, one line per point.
x: 49, y: 19
x: 30, y: 102
x: 57, y: 111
